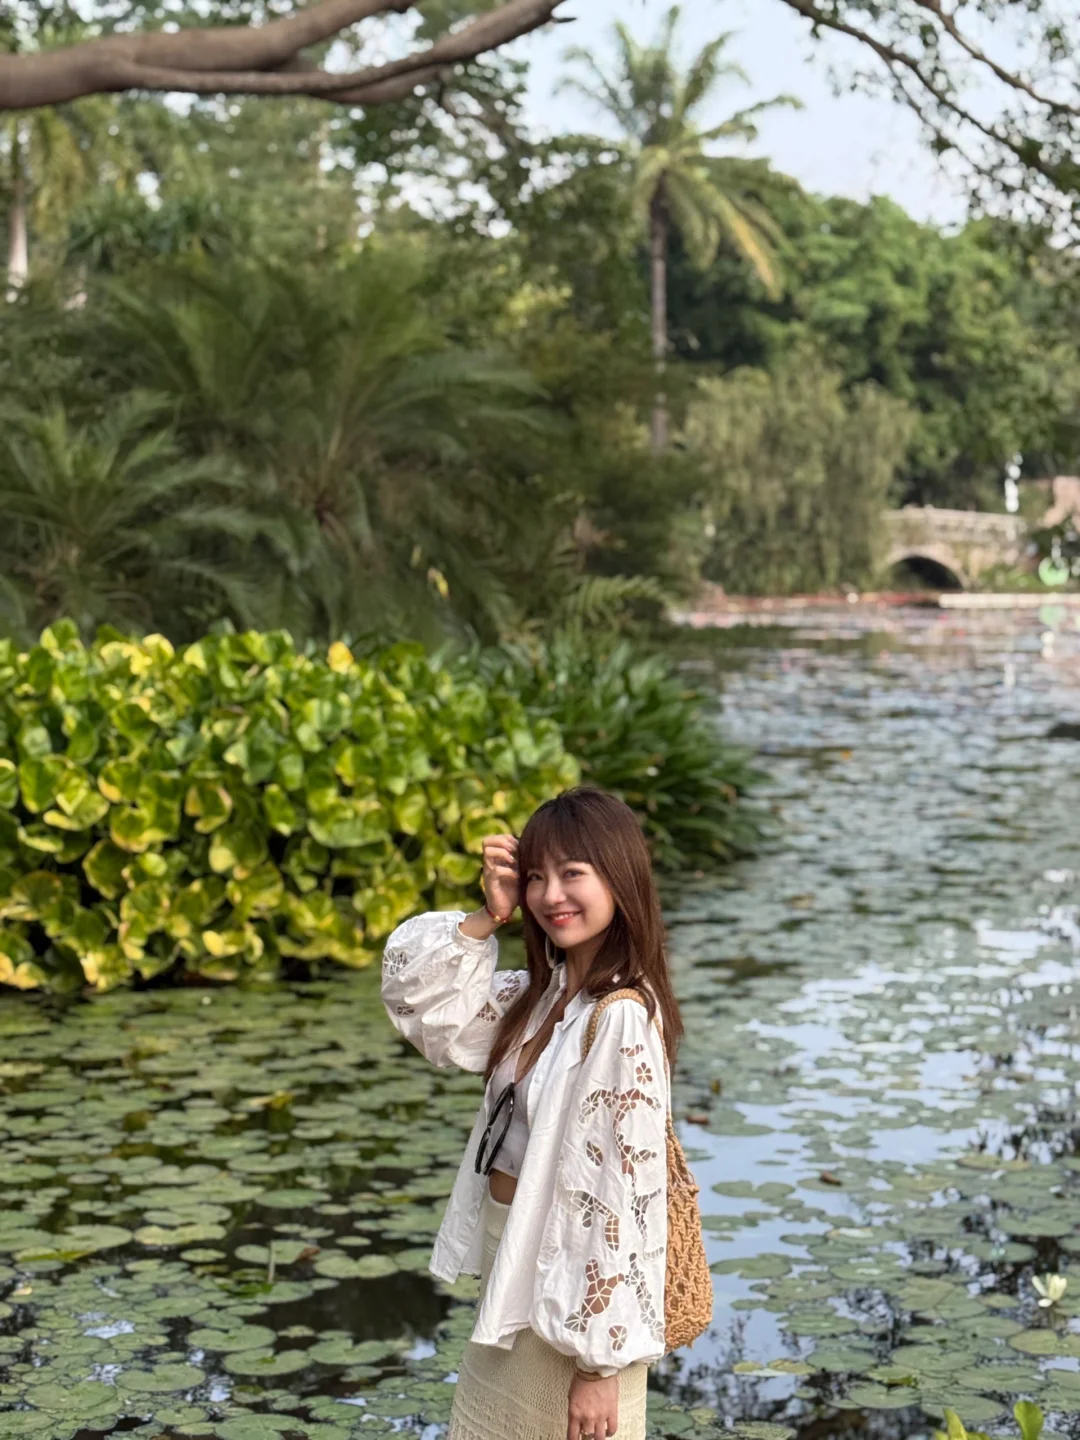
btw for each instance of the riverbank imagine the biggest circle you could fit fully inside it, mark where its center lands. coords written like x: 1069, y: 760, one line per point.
x: 725, y: 610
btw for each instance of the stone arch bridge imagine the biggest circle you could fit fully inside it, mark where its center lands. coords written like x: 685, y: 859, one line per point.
x: 961, y: 543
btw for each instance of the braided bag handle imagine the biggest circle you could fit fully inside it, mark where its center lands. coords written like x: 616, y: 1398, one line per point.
x: 688, y: 1283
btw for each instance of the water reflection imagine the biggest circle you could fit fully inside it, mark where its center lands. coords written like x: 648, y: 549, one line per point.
x: 928, y: 852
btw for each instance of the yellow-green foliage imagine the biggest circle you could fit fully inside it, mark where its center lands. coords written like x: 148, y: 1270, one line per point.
x: 224, y: 807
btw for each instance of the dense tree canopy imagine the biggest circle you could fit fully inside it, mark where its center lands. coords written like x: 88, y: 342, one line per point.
x: 943, y: 321
x: 389, y: 370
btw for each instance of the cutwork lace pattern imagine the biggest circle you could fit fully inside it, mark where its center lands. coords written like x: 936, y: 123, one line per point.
x: 610, y: 1110
x: 394, y: 961
x: 510, y: 987
x: 589, y: 1207
x: 442, y: 992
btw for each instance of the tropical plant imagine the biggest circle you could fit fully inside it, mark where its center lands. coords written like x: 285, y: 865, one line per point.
x: 53, y: 159
x: 240, y: 805
x: 675, y: 180
x: 221, y: 180
x: 112, y: 522
x: 339, y: 390
x: 639, y: 731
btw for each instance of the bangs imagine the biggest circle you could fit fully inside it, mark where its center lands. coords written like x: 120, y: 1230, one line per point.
x: 559, y: 831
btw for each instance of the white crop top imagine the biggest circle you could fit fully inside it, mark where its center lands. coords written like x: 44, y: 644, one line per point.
x: 512, y: 1150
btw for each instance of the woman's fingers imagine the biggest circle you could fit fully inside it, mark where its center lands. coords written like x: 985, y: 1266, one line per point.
x: 590, y: 1419
x: 500, y: 857
x: 498, y: 860
x: 501, y: 880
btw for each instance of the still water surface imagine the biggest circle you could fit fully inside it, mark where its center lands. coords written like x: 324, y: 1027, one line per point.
x: 219, y: 1207
x: 888, y: 992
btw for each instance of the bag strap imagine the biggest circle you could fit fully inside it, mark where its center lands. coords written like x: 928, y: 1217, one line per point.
x: 599, y: 1007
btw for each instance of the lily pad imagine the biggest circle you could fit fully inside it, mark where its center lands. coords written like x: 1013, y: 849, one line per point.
x: 1045, y: 1342
x: 266, y: 1363
x: 161, y: 1379
x: 243, y: 1337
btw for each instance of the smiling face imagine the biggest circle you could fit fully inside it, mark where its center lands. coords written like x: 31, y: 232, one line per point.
x: 569, y: 901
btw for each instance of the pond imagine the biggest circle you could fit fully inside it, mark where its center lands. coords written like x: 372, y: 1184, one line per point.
x: 219, y: 1206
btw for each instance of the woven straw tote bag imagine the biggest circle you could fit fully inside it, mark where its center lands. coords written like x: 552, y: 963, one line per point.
x: 688, y: 1293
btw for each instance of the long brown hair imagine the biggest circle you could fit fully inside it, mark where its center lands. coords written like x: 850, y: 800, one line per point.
x: 588, y: 824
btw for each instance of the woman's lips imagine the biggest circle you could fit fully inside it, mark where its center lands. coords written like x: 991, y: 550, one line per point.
x: 561, y: 920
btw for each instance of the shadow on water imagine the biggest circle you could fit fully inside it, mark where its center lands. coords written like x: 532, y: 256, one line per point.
x: 882, y: 1064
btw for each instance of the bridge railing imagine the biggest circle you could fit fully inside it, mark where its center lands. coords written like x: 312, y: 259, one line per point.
x: 926, y: 524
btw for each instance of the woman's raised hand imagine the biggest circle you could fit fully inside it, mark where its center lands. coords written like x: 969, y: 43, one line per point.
x: 502, y: 888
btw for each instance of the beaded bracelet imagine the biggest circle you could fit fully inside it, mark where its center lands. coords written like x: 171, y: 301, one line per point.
x: 499, y: 919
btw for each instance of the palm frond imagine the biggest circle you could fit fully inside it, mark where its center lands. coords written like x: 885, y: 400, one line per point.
x: 692, y: 208
x: 741, y: 123
x: 604, y: 599
x: 600, y: 89
x: 702, y: 76
x: 748, y: 240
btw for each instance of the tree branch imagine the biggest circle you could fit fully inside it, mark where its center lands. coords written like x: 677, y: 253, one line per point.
x: 1007, y: 77
x: 894, y: 59
x: 256, y: 61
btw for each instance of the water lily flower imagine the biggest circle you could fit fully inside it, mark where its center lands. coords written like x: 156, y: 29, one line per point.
x: 1050, y: 1288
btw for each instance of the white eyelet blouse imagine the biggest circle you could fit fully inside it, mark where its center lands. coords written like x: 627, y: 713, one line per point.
x: 583, y: 1254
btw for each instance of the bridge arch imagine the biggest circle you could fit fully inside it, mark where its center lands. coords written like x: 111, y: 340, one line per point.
x: 956, y: 545
x: 938, y: 566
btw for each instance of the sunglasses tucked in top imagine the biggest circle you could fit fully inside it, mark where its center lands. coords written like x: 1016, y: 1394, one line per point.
x: 507, y: 1132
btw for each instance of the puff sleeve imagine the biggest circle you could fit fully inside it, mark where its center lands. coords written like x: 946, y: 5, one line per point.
x: 599, y: 1293
x: 442, y: 991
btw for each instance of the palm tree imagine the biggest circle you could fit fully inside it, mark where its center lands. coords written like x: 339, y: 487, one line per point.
x: 676, y: 181
x: 364, y: 430
x: 112, y: 523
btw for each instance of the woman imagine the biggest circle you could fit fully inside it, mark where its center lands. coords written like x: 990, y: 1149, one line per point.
x: 560, y: 1200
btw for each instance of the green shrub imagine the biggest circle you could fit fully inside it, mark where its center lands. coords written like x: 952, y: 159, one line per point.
x: 639, y: 731
x: 237, y: 804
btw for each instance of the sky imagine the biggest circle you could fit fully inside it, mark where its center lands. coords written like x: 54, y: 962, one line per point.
x: 853, y: 145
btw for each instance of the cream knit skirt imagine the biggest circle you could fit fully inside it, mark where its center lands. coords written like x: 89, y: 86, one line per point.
x: 521, y: 1394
